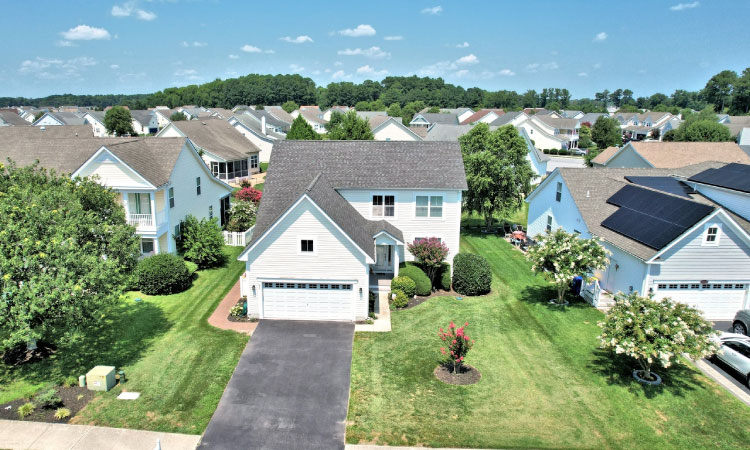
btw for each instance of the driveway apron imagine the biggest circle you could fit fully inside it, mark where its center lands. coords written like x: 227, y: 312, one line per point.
x: 290, y: 390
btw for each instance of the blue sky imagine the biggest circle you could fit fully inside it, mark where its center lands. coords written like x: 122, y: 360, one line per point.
x: 91, y: 47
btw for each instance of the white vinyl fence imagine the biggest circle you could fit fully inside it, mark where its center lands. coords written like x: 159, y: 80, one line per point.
x: 237, y: 238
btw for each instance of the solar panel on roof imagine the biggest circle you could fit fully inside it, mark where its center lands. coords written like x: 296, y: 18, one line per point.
x: 652, y: 218
x: 732, y: 176
x: 664, y: 184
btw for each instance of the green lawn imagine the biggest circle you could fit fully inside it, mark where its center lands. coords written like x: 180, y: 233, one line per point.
x: 544, y: 382
x: 178, y: 362
x: 518, y: 217
x: 259, y: 186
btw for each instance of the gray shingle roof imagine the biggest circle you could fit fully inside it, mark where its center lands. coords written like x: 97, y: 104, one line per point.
x: 591, y: 117
x: 270, y: 118
x: 445, y: 132
x: 143, y: 116
x: 322, y: 167
x: 68, y: 118
x: 251, y: 123
x: 152, y: 158
x: 451, y: 119
x: 65, y: 131
x: 11, y: 118
x: 506, y: 118
x: 217, y: 137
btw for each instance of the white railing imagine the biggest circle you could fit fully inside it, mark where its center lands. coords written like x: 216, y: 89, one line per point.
x: 141, y: 220
x: 238, y: 238
x: 591, y: 292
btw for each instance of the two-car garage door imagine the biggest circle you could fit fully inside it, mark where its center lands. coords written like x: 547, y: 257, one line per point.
x: 718, y: 301
x: 323, y: 300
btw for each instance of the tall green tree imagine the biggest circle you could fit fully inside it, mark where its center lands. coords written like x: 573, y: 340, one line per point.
x: 349, y: 127
x: 289, y: 106
x: 497, y: 171
x: 606, y: 132
x: 118, y: 121
x: 718, y: 89
x: 701, y: 126
x: 394, y: 110
x: 177, y: 116
x: 741, y: 94
x: 302, y: 131
x: 66, y: 254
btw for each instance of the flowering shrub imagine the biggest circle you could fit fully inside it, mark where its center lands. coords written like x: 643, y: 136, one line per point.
x: 430, y: 254
x: 242, y: 216
x: 656, y: 331
x: 562, y: 256
x: 248, y: 194
x: 458, y: 344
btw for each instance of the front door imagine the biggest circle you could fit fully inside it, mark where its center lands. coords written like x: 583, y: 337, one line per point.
x: 382, y: 257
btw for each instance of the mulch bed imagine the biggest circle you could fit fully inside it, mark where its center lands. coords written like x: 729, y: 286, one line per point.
x: 232, y: 318
x: 70, y: 400
x: 467, y: 375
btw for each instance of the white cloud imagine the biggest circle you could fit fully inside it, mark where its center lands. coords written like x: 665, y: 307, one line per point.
x: 583, y: 74
x: 683, y: 6
x: 250, y: 49
x: 536, y: 67
x: 393, y: 38
x: 369, y: 71
x: 468, y: 59
x: 432, y: 11
x: 338, y: 63
x: 340, y: 74
x: 64, y: 44
x: 296, y: 68
x: 506, y: 73
x: 85, y: 33
x: 114, y: 66
x: 298, y: 40
x: 600, y: 37
x: 53, y: 68
x: 234, y: 57
x: 128, y: 9
x: 361, y: 30
x: 373, y: 52
x: 463, y: 45
x: 461, y: 73
x: 187, y: 74
x: 194, y: 44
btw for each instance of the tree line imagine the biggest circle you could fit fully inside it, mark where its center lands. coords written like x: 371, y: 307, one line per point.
x: 725, y: 92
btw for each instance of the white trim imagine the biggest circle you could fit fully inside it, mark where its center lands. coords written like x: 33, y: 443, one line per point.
x: 429, y: 206
x: 395, y: 239
x: 243, y: 255
x: 99, y: 152
x: 717, y: 236
x: 305, y: 237
x: 543, y: 183
x: 398, y: 124
x: 211, y: 176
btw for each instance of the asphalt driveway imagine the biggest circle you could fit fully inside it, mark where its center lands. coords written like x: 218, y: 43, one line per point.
x: 290, y: 390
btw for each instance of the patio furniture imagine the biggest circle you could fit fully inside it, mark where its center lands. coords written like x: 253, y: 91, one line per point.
x: 507, y: 230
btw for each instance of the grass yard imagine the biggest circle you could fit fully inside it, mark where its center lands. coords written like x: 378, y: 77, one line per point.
x: 519, y: 217
x: 178, y: 362
x: 544, y: 382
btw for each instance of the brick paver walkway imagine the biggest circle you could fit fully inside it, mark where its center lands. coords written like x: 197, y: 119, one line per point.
x: 219, y: 317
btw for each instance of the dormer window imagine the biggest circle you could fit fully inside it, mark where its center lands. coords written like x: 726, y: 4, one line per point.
x: 711, y: 235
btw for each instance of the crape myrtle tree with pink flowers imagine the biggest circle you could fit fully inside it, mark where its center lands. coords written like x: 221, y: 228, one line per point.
x: 456, y: 344
x: 430, y: 254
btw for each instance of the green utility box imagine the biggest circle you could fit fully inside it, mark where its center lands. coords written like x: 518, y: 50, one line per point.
x: 101, y: 378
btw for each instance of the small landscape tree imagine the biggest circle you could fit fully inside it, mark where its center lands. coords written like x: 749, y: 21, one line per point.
x: 457, y: 344
x: 289, y: 106
x: 561, y: 256
x: 118, y: 121
x: 177, y: 117
x: 302, y: 131
x: 656, y: 332
x: 248, y: 194
x: 606, y: 132
x: 430, y: 254
x: 242, y: 216
x: 201, y: 241
x: 349, y: 127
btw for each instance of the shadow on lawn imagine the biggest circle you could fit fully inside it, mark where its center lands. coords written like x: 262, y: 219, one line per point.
x: 119, y: 339
x: 618, y: 370
x: 543, y: 294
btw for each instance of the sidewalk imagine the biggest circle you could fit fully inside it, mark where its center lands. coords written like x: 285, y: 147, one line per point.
x: 19, y: 435
x: 382, y: 321
x: 219, y: 317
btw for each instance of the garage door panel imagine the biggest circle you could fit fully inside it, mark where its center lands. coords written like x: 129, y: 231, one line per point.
x: 717, y: 301
x: 308, y: 301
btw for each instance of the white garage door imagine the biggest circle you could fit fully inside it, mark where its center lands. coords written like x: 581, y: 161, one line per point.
x: 308, y: 301
x: 718, y: 301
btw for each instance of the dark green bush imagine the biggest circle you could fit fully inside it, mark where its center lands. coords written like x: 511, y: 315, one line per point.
x: 162, y: 274
x: 445, y: 277
x: 546, y: 151
x: 201, y: 242
x: 400, y: 300
x: 49, y: 399
x: 563, y: 152
x: 191, y: 267
x: 471, y: 274
x: 424, y: 286
x: 405, y: 285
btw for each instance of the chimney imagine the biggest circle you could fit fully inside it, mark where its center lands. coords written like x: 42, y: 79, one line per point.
x: 263, y: 124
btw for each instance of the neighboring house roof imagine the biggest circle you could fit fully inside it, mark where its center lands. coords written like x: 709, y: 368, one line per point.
x: 680, y: 154
x: 10, y: 117
x: 570, y: 113
x: 253, y: 124
x: 196, y: 112
x: 313, y: 115
x: 67, y: 118
x: 733, y: 176
x: 270, y: 118
x: 142, y: 116
x: 605, y: 155
x: 279, y: 114
x: 222, y: 112
x: 420, y: 131
x: 444, y: 132
x: 371, y: 114
x: 319, y: 168
x: 736, y: 126
x: 506, y: 118
x: 217, y: 137
x: 591, y: 189
x: 591, y: 117
x: 532, y: 111
x: 153, y: 159
x: 167, y: 113
x: 481, y: 113
x: 560, y: 124
x: 97, y: 115
x: 456, y: 111
x: 54, y: 132
x: 439, y: 118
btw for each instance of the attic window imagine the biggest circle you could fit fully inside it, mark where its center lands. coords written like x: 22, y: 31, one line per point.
x: 558, y: 194
x: 711, y: 236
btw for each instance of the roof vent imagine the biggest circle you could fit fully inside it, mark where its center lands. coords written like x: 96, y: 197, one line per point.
x: 588, y: 194
x: 43, y: 128
x: 203, y: 123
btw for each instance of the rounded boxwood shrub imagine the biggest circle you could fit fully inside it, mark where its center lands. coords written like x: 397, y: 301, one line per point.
x: 471, y: 274
x: 423, y: 284
x: 445, y: 277
x: 162, y: 274
x: 405, y: 285
x: 191, y: 267
x: 400, y: 300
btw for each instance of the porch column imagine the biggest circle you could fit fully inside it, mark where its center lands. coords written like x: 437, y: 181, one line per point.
x: 395, y: 260
x: 152, y: 201
x: 157, y: 250
x: 125, y: 196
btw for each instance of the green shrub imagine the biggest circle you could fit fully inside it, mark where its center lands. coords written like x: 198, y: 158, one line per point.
x: 471, y: 274
x: 70, y: 381
x: 405, y: 285
x: 445, y: 277
x: 546, y: 151
x: 236, y: 310
x: 191, y: 267
x: 201, y: 241
x: 62, y: 413
x: 162, y: 274
x: 400, y: 300
x: 423, y: 284
x: 563, y: 152
x: 553, y: 151
x: 49, y: 399
x: 26, y: 409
